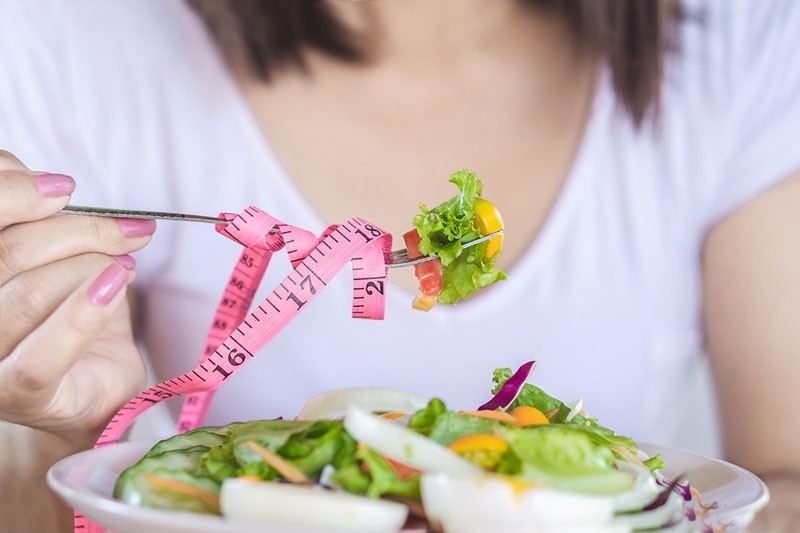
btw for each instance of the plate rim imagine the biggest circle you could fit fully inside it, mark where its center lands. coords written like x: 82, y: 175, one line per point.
x: 753, y: 507
x: 107, y: 504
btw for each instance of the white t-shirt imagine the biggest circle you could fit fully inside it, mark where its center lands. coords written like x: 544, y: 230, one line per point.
x: 133, y: 100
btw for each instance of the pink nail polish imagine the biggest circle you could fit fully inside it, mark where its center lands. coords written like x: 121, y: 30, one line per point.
x: 137, y: 227
x: 128, y: 261
x: 54, y: 185
x: 108, y: 285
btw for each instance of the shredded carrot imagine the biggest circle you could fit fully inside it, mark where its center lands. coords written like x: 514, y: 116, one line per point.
x: 391, y: 415
x: 500, y: 416
x: 249, y: 477
x: 207, y: 497
x: 284, y: 468
x: 628, y: 456
x: 551, y: 413
x: 703, y: 506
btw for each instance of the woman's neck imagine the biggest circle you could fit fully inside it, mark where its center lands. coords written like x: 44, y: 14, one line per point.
x: 424, y: 35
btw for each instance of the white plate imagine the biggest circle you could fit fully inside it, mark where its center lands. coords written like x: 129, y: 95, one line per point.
x: 86, y: 480
x: 739, y: 494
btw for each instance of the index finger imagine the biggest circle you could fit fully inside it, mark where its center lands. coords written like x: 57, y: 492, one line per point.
x: 9, y: 161
x: 27, y: 196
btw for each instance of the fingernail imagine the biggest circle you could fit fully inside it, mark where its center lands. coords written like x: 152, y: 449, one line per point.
x: 108, y: 285
x: 54, y: 185
x: 137, y: 227
x: 128, y: 261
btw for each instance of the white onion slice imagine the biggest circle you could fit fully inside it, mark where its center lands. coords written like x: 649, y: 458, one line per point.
x: 644, y: 489
x: 329, y: 404
x: 474, y: 504
x: 670, y: 511
x: 282, y: 504
x: 574, y: 409
x: 404, y: 445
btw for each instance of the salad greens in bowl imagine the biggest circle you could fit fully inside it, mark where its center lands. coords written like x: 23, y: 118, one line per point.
x: 373, y: 459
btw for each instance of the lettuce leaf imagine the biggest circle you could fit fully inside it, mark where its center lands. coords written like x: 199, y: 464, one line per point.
x: 442, y: 231
x: 450, y: 426
x: 383, y: 478
x: 654, y: 463
x: 468, y: 273
x: 533, y: 396
x: 422, y: 421
x: 562, y: 457
x: 219, y: 463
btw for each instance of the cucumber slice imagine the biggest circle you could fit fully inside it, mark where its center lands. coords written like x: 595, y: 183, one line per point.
x: 176, y: 460
x: 140, y: 490
x: 199, y: 437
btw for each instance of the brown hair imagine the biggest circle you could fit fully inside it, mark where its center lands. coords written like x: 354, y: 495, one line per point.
x: 632, y: 36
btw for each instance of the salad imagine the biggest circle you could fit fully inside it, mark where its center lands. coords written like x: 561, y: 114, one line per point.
x: 457, y: 272
x: 523, y: 461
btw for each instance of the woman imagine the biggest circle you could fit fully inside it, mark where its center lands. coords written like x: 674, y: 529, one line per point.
x: 651, y: 199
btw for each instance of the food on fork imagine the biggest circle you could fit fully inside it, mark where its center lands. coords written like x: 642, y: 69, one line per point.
x: 524, y: 461
x: 457, y: 272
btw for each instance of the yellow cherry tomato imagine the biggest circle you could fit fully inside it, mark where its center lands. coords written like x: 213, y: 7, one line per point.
x: 482, y: 450
x: 478, y: 443
x: 528, y: 416
x: 488, y: 220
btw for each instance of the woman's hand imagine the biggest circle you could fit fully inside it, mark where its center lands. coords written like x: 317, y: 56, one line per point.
x: 67, y: 355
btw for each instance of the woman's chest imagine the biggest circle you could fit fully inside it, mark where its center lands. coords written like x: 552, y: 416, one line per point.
x: 380, y: 152
x: 610, y: 311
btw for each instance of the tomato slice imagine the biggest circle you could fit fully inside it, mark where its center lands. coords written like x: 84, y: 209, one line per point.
x: 428, y: 273
x: 402, y: 470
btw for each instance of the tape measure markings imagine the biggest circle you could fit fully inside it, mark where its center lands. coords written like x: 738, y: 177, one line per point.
x: 228, y: 347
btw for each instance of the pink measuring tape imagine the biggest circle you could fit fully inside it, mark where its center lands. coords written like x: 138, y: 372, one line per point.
x: 234, y: 336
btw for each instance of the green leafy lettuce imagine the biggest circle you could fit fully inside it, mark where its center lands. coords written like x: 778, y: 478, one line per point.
x: 533, y: 396
x: 654, y: 463
x: 562, y: 457
x: 309, y: 446
x: 422, y: 421
x: 442, y: 231
x: 451, y: 426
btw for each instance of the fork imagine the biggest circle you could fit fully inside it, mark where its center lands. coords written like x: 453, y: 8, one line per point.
x: 398, y: 258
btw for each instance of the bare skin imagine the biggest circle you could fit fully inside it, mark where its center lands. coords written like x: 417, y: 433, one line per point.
x: 405, y: 117
x: 752, y: 301
x: 67, y: 362
x: 401, y: 119
x: 406, y: 112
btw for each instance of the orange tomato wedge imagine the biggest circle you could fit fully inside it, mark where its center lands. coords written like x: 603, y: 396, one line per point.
x: 526, y: 415
x: 488, y: 220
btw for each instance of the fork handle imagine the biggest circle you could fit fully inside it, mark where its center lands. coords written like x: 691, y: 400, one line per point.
x: 130, y: 213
